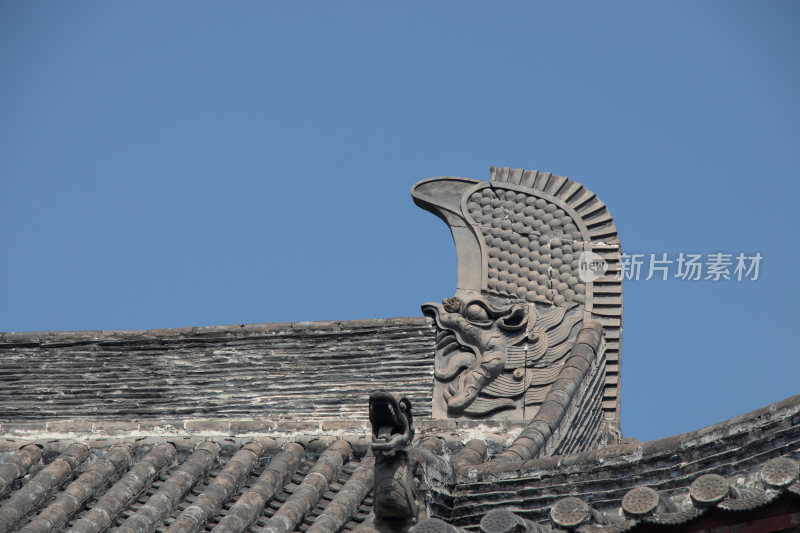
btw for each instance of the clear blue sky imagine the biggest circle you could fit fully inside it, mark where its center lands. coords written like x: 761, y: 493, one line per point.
x: 169, y: 164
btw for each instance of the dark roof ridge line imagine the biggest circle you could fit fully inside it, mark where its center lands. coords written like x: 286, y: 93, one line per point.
x: 789, y: 407
x: 39, y: 338
x: 642, y: 507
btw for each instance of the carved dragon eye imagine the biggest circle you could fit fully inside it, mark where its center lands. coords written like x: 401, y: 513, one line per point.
x: 452, y: 305
x: 476, y: 312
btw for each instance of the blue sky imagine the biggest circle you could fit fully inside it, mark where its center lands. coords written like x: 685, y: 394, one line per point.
x: 200, y: 163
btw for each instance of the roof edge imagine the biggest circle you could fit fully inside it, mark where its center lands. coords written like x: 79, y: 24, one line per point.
x: 35, y: 338
x: 631, y: 448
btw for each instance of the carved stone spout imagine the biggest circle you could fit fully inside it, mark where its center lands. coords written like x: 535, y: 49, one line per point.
x: 396, y: 508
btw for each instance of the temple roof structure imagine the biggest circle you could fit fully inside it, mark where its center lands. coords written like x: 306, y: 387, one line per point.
x: 502, y: 415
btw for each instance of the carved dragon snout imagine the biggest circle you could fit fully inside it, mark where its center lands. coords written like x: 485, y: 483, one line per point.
x: 391, y: 420
x: 473, y: 335
x: 396, y: 507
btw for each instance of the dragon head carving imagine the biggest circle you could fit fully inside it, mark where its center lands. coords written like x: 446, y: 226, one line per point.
x: 396, y: 507
x: 473, y: 335
x: 392, y: 422
x: 522, y: 290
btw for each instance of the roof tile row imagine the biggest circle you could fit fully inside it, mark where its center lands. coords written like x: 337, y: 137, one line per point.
x: 262, y: 486
x: 643, y: 508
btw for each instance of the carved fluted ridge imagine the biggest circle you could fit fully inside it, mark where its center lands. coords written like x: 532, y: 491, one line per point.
x: 550, y: 414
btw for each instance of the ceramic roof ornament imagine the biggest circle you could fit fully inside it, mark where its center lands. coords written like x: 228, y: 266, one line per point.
x: 538, y: 256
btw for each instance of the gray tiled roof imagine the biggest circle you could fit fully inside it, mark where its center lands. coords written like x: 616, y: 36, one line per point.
x: 313, y: 482
x: 737, y: 465
x: 308, y: 370
x: 170, y: 430
x: 220, y: 485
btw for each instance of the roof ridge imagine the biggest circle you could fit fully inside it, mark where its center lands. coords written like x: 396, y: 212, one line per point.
x: 29, y: 338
